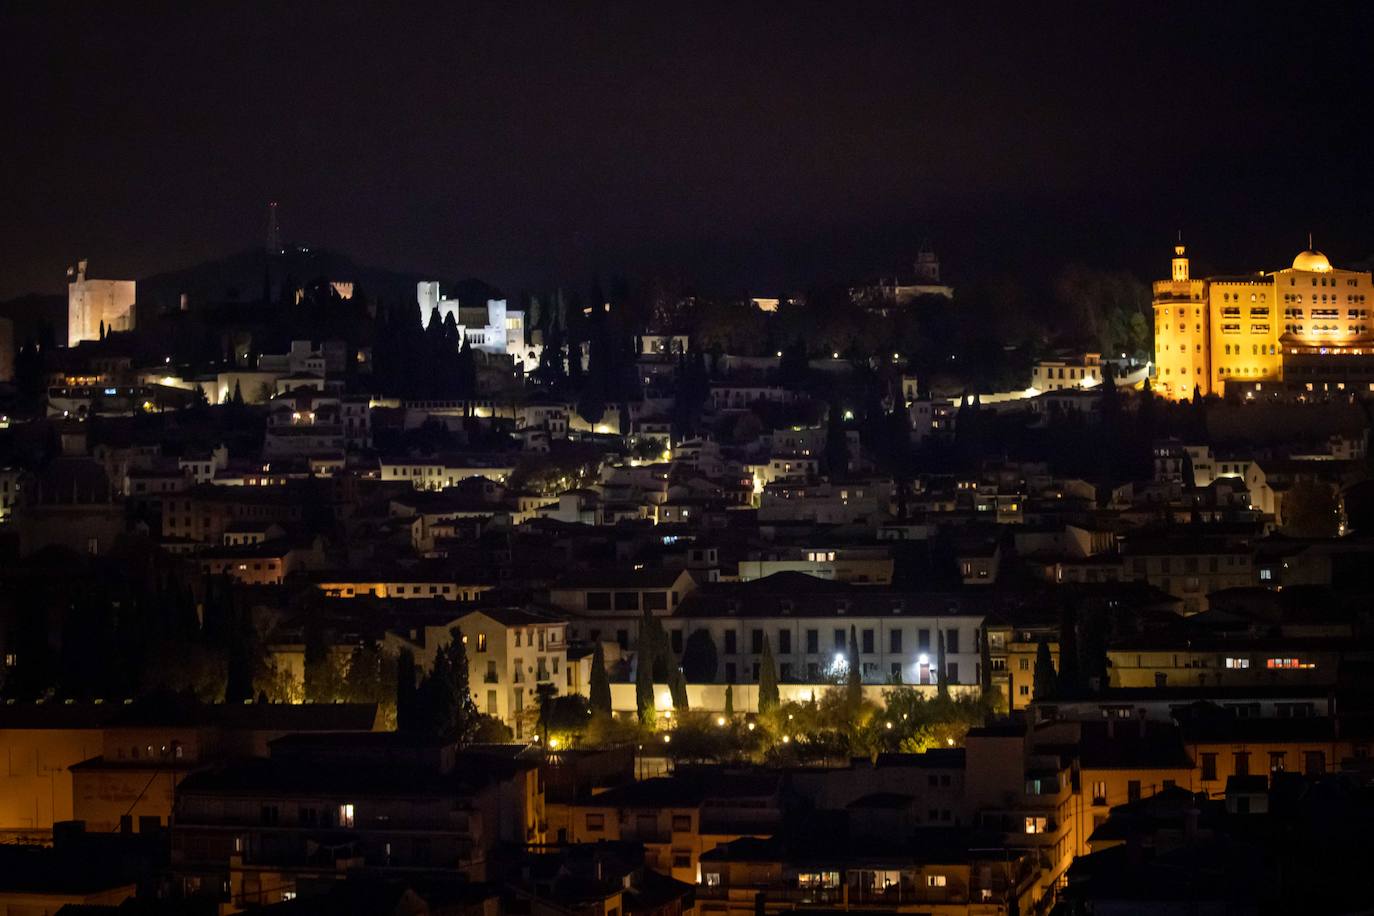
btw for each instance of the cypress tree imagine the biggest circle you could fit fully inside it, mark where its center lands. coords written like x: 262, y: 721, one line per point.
x: 1070, y: 680
x: 768, y: 680
x: 941, y: 679
x: 644, y: 687
x: 853, y: 678
x: 405, y: 692
x: 653, y: 643
x: 677, y: 686
x: 1044, y: 678
x: 600, y: 684
x: 444, y: 706
x: 729, y: 699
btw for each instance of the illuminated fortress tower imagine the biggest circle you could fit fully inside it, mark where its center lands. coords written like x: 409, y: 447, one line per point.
x: 91, y: 303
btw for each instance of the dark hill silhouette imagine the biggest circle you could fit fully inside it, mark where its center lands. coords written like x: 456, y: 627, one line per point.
x: 245, y: 276
x: 32, y: 311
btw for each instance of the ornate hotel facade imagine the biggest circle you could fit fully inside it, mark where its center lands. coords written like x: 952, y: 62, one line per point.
x: 1300, y: 327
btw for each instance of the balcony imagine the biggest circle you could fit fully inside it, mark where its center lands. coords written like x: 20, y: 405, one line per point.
x: 748, y: 892
x: 902, y: 896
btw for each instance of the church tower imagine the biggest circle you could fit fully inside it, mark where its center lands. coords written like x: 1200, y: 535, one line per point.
x: 1180, y: 264
x: 1182, y: 333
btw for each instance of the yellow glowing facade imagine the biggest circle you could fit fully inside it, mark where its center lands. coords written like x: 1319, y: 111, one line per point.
x: 1238, y: 329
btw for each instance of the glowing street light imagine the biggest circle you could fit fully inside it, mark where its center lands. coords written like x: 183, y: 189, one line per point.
x: 720, y: 720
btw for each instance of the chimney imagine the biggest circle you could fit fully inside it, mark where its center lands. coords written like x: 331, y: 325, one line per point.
x: 81, y: 270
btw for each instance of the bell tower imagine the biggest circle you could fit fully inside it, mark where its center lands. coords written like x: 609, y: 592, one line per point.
x: 1180, y: 264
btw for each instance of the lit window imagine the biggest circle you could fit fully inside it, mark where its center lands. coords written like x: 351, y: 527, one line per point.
x: 935, y: 880
x: 346, y: 815
x: 1239, y: 662
x: 1036, y: 824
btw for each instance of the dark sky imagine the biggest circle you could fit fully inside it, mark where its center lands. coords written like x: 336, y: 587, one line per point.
x: 739, y: 145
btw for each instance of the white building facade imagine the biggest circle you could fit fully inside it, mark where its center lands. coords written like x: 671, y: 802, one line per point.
x: 503, y: 333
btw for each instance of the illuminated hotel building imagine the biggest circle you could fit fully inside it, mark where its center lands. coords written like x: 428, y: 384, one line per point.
x: 1306, y: 322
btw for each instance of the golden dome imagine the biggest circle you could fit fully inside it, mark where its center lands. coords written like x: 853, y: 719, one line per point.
x: 1312, y: 260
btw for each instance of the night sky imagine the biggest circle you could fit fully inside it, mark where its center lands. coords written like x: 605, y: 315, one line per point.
x: 759, y: 148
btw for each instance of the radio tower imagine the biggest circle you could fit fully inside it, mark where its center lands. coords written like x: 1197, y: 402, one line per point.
x: 273, y: 230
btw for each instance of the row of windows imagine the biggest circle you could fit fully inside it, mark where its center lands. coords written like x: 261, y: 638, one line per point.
x: 817, y: 672
x: 1293, y: 281
x: 543, y: 668
x: 1255, y: 350
x: 1073, y: 373
x: 1314, y: 763
x: 1351, y: 314
x: 1139, y: 565
x: 1234, y: 312
x: 1297, y: 297
x: 813, y: 641
x: 628, y: 601
x: 1236, y: 297
x: 1355, y: 329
